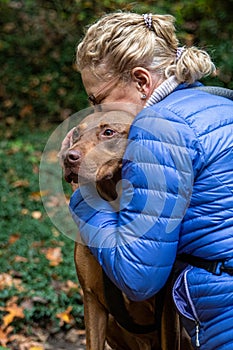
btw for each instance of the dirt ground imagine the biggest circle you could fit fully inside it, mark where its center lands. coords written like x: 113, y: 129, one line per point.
x: 71, y: 341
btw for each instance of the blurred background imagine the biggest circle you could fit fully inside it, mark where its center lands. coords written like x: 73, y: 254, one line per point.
x: 40, y: 298
x: 38, y: 40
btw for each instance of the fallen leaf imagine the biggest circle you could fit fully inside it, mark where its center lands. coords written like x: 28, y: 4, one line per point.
x: 36, y: 214
x: 72, y: 336
x: 55, y: 232
x: 24, y: 211
x: 10, y: 120
x: 26, y: 110
x: 51, y: 156
x: 12, y: 301
x: 39, y: 300
x: 71, y: 285
x: 13, y: 238
x: 45, y: 88
x: 4, y: 335
x: 7, y: 281
x: 26, y: 343
x: 14, y: 311
x: 37, y: 244
x: 8, y: 103
x: 40, y: 334
x: 20, y: 259
x: 65, y: 316
x: 54, y: 255
x: 20, y: 183
x: 27, y: 304
x: 53, y: 201
x: 35, y: 169
x: 36, y: 196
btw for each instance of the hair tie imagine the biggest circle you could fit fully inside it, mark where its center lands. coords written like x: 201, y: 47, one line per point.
x: 179, y: 52
x: 148, y: 20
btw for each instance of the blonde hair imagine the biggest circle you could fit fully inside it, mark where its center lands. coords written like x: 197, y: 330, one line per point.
x: 121, y: 41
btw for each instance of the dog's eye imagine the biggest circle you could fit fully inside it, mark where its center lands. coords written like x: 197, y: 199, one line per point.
x: 108, y: 132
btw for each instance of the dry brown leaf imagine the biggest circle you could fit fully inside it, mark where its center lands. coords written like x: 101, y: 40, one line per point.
x: 12, y: 301
x: 55, y: 232
x: 7, y: 281
x: 20, y: 183
x: 14, y: 311
x: 72, y: 336
x: 26, y: 110
x: 54, y: 255
x: 65, y: 286
x: 40, y: 335
x: 36, y: 196
x: 71, y: 285
x: 4, y: 335
x: 13, y: 238
x: 37, y: 244
x: 51, y: 156
x: 53, y: 201
x: 27, y: 304
x: 40, y: 300
x: 26, y: 343
x: 10, y: 120
x: 24, y: 211
x: 19, y: 258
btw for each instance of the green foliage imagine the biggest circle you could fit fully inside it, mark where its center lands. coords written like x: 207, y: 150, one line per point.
x: 209, y: 25
x: 37, y: 59
x: 38, y: 40
x: 26, y: 235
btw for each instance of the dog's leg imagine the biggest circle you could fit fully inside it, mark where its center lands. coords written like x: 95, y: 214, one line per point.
x: 173, y: 335
x: 95, y: 313
x: 95, y: 322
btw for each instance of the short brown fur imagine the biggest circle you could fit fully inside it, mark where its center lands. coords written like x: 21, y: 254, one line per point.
x: 103, y: 166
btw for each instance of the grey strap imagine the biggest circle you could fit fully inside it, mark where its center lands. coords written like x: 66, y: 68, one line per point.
x: 217, y: 90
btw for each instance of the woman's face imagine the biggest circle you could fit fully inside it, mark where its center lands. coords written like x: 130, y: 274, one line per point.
x: 101, y: 92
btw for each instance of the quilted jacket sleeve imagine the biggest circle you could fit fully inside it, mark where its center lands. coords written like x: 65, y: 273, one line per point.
x: 137, y: 245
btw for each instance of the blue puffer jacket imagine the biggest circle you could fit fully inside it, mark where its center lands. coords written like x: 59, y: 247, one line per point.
x: 177, y: 198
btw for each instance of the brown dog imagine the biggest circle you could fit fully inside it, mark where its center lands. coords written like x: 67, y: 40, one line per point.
x: 98, y: 144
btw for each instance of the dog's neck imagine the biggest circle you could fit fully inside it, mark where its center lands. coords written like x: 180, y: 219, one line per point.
x: 107, y: 188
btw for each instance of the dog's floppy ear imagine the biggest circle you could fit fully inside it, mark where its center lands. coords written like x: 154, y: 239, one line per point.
x: 66, y: 144
x: 123, y: 129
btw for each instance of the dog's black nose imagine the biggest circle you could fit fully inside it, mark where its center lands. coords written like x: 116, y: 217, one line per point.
x: 73, y: 156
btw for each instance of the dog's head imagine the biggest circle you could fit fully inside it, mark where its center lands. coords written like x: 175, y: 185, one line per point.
x: 98, y: 144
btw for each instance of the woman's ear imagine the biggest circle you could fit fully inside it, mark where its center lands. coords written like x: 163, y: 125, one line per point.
x: 143, y: 79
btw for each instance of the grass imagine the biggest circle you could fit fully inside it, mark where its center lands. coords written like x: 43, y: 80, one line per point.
x: 37, y: 269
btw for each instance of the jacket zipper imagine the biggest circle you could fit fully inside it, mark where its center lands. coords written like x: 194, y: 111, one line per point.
x: 197, y: 340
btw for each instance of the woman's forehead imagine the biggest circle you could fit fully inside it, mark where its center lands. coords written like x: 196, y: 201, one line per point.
x: 90, y: 81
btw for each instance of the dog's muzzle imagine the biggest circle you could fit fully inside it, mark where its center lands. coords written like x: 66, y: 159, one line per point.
x: 71, y: 162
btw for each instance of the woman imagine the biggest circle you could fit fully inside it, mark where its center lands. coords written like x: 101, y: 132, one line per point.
x: 177, y: 199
